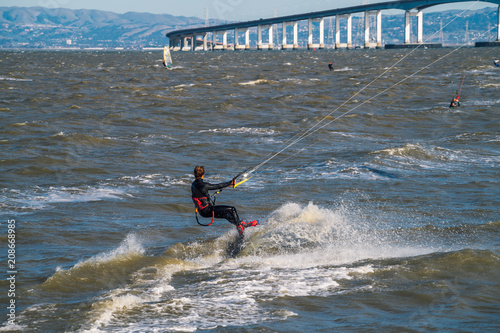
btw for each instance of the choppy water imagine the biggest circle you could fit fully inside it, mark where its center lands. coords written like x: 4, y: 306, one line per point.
x: 386, y: 219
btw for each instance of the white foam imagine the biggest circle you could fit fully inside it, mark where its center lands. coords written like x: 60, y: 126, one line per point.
x: 13, y: 328
x: 39, y: 198
x: 254, y: 82
x: 344, y: 69
x: 299, y: 251
x: 15, y: 79
x: 241, y: 130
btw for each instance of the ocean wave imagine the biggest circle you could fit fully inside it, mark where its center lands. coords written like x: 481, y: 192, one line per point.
x: 105, y: 270
x: 241, y: 130
x: 81, y: 139
x: 39, y: 197
x: 423, y: 156
x: 15, y: 79
x: 482, y: 102
x: 184, y: 85
x: 306, y: 231
x: 138, y: 283
x: 432, y: 157
x: 339, y: 170
x: 256, y: 82
x: 153, y: 180
x: 298, y: 251
x: 343, y: 69
x: 470, y: 264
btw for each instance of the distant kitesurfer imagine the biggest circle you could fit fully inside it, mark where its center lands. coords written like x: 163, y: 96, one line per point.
x: 497, y: 63
x: 205, y: 206
x: 330, y: 66
x: 454, y: 102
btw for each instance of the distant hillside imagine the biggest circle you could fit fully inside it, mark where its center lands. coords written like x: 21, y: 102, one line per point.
x: 38, y: 27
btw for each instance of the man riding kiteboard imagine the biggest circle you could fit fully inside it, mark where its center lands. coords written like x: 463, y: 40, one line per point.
x: 205, y: 206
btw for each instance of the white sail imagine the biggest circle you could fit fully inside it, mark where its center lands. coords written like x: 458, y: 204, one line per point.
x: 167, y: 57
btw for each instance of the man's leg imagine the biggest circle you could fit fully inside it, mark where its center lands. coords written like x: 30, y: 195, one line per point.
x: 227, y: 212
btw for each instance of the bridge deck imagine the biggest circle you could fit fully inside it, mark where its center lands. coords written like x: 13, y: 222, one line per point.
x: 400, y: 4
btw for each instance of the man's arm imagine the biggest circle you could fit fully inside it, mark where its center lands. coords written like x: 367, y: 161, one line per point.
x: 210, y: 187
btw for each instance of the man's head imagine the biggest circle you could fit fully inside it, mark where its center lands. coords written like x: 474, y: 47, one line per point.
x: 199, y: 171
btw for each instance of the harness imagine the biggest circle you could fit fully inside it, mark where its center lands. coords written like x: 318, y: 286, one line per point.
x: 204, y: 225
x: 198, y: 204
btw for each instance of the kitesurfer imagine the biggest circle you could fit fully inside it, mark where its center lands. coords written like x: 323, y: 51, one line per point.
x: 454, y: 102
x: 205, y: 206
x: 330, y: 66
x: 497, y: 63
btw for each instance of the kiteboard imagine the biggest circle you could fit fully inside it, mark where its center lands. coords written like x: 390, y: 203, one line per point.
x: 167, y: 57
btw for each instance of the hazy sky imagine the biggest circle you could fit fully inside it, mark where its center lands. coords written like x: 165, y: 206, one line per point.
x: 231, y: 10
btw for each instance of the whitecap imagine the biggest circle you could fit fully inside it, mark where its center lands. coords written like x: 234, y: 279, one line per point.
x: 241, y: 130
x: 255, y: 82
x: 15, y: 79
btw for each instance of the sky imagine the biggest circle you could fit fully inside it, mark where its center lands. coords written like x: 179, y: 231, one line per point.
x: 229, y: 10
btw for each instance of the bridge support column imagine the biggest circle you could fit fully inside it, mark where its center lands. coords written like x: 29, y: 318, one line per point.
x: 378, y: 15
x: 247, y: 39
x: 321, y: 44
x: 498, y: 25
x: 202, y: 46
x: 260, y: 44
x: 295, y: 44
x: 177, y: 44
x: 185, y: 44
x: 338, y: 44
x: 420, y: 26
x: 237, y: 45
x: 224, y: 40
x: 379, y: 29
x: 205, y: 42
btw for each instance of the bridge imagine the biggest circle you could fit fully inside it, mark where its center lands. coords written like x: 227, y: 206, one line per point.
x: 187, y: 39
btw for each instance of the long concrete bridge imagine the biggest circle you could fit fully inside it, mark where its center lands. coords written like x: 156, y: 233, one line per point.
x: 186, y: 40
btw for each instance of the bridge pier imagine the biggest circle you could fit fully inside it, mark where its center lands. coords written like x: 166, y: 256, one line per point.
x: 172, y: 43
x: 420, y: 26
x: 224, y: 40
x: 321, y: 44
x: 498, y: 24
x: 378, y: 15
x: 237, y: 45
x: 205, y: 42
x: 185, y: 44
x: 260, y: 44
x: 339, y: 45
x: 295, y: 45
x: 194, y: 42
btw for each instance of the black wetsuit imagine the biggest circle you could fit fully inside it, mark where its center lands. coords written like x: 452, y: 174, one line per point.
x: 454, y: 103
x: 201, y: 199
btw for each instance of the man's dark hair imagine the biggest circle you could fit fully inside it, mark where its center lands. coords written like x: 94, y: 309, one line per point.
x: 199, y: 171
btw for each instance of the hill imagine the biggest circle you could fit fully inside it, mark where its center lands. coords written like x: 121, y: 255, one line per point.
x: 38, y: 27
